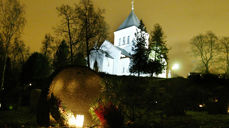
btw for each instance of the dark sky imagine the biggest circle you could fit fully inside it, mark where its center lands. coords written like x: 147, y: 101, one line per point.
x: 180, y: 20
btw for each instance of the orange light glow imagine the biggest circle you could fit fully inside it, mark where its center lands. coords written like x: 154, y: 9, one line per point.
x: 75, y: 121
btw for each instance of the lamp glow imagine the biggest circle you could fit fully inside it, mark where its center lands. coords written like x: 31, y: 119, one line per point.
x: 76, y: 121
x: 176, y: 66
x: 201, y: 105
x: 228, y: 109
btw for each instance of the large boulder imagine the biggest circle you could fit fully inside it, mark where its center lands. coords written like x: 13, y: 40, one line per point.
x: 77, y: 88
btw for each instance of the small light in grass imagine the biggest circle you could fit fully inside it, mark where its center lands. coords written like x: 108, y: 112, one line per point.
x: 228, y: 109
x: 10, y: 107
x: 201, y: 105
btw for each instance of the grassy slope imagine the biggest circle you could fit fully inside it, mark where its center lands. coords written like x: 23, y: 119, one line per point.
x: 22, y: 117
x: 210, y: 121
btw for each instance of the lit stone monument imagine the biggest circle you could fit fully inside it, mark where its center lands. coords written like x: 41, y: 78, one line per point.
x: 77, y: 88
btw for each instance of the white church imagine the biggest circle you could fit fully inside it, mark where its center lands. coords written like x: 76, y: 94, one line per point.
x: 115, y: 58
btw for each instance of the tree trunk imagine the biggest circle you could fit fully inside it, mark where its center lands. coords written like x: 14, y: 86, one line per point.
x: 88, y: 59
x: 22, y: 58
x: 4, y: 64
x: 70, y: 40
x: 87, y: 41
x: 3, y: 72
x: 206, y: 68
x: 155, y: 57
x: 227, y: 65
x: 167, y: 69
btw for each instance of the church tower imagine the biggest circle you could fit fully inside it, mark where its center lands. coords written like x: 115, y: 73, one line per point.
x: 116, y: 58
x: 124, y: 40
x: 125, y: 34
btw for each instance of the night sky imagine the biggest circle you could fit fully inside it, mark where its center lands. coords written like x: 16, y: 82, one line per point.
x: 180, y: 20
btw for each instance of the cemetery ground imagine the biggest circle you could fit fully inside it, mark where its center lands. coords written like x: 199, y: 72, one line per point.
x: 22, y: 117
x: 198, y: 102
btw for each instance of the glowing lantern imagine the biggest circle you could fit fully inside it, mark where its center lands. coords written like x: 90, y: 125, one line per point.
x: 79, y: 120
x: 216, y: 100
x: 228, y: 109
x: 75, y: 121
x: 201, y: 105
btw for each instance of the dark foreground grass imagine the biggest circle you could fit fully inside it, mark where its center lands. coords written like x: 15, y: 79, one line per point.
x: 206, y: 120
x: 22, y: 117
x: 196, y: 120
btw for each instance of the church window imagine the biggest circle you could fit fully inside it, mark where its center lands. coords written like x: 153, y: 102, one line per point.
x: 124, y: 39
x: 119, y: 42
x: 123, y: 70
x: 128, y: 39
x: 133, y: 42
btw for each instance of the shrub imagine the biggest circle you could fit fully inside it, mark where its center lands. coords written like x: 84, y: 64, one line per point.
x: 54, y: 109
x: 43, y: 110
x: 110, y: 116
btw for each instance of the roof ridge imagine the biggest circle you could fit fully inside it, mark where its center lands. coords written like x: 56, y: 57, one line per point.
x: 131, y: 20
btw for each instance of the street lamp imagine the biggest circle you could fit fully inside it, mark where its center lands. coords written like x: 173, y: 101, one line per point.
x: 175, y: 67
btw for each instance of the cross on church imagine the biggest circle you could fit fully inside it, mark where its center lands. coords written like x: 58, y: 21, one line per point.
x: 132, y: 4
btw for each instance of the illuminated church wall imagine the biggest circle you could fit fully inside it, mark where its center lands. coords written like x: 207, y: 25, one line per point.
x: 116, y: 58
x: 124, y: 38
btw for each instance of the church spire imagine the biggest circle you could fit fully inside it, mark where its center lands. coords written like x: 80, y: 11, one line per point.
x: 132, y: 5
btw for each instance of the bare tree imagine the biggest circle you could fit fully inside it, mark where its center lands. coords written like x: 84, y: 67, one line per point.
x: 83, y: 26
x: 67, y: 24
x: 92, y: 26
x: 1, y: 48
x: 225, y: 50
x: 204, y: 46
x: 12, y: 21
x: 47, y: 46
x: 18, y: 53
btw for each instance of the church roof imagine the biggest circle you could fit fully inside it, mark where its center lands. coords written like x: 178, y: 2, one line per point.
x: 124, y: 52
x: 110, y: 50
x: 131, y: 20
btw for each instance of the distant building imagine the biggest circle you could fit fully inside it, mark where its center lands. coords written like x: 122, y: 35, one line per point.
x: 116, y: 58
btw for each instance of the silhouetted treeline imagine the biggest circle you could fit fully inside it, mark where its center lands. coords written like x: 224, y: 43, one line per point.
x: 212, y: 52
